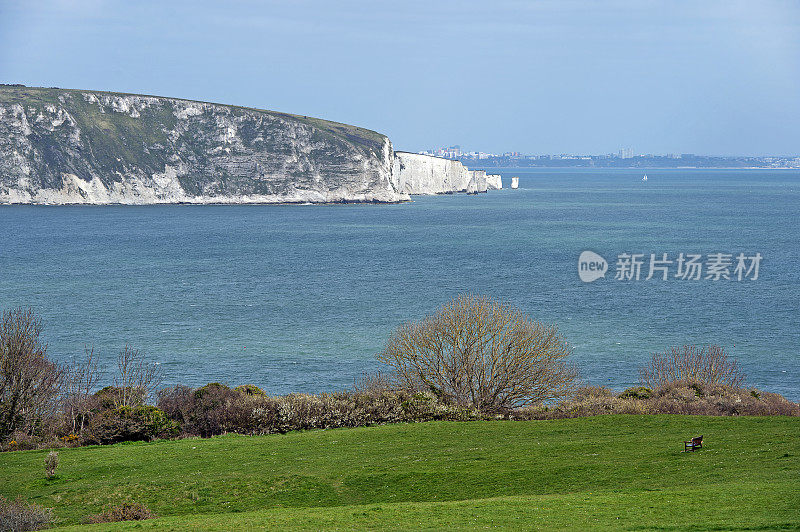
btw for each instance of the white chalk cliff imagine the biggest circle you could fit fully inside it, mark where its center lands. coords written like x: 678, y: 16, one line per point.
x: 83, y: 147
x: 413, y: 173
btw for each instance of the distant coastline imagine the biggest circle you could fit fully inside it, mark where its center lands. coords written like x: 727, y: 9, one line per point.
x: 686, y: 162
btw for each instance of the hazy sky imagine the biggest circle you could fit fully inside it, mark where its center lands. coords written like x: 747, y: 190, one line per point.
x: 536, y: 77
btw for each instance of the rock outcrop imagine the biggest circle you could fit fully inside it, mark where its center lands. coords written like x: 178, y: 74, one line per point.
x: 69, y: 146
x: 414, y: 173
x: 494, y: 182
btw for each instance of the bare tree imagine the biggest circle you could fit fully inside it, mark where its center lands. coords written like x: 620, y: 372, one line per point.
x: 136, y: 379
x: 80, y: 380
x: 709, y: 365
x: 477, y: 352
x: 369, y: 383
x: 29, y: 381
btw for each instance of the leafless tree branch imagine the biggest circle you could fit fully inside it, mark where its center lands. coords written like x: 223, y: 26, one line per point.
x: 480, y: 353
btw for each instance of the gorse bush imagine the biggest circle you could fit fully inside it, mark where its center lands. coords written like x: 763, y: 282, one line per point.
x: 126, y: 423
x: 475, y: 352
x: 637, y: 392
x: 19, y: 515
x: 250, y: 389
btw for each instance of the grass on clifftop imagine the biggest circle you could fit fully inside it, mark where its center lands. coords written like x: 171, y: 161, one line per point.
x: 605, y: 471
x: 40, y: 96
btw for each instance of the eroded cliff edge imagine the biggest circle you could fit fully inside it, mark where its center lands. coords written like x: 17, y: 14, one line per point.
x: 414, y: 173
x: 62, y: 146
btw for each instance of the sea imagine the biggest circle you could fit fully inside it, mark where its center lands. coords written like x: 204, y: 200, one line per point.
x: 301, y: 298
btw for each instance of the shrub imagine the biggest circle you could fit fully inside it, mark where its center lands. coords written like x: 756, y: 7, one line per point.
x: 125, y: 423
x: 586, y: 392
x: 18, y: 515
x: 679, y: 397
x: 213, y: 409
x: 51, y: 464
x: 176, y: 402
x: 250, y: 389
x: 29, y: 382
x: 20, y: 441
x: 475, y: 352
x: 123, y: 512
x: 637, y: 392
x: 707, y: 365
x: 111, y: 397
x: 70, y: 440
x: 217, y: 409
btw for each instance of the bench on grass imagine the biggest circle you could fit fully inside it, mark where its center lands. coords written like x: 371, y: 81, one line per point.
x: 694, y: 443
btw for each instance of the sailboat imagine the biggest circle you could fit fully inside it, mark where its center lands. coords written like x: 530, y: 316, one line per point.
x: 515, y: 182
x: 644, y: 178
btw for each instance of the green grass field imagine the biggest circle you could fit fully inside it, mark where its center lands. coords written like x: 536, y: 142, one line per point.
x: 606, y: 471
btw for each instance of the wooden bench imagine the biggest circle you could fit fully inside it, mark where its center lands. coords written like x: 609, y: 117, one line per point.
x: 694, y: 443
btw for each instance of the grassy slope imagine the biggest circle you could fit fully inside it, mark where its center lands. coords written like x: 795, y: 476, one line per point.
x: 38, y: 96
x: 615, y: 471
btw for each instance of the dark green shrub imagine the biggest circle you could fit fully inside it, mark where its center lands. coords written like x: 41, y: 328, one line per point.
x: 212, y: 388
x: 125, y: 423
x: 112, y: 396
x: 699, y: 388
x: 250, y: 389
x: 637, y: 392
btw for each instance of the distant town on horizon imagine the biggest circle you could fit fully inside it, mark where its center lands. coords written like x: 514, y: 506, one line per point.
x: 624, y: 158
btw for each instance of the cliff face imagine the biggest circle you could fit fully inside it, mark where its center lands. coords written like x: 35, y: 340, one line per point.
x: 414, y: 173
x: 63, y: 146
x: 70, y: 146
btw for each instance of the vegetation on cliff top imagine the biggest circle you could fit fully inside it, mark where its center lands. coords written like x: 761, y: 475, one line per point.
x: 497, y: 364
x: 23, y: 95
x: 114, y: 143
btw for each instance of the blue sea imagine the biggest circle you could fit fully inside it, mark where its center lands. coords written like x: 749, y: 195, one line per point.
x: 301, y: 298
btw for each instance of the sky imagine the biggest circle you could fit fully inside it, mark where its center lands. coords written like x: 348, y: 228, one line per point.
x: 538, y: 77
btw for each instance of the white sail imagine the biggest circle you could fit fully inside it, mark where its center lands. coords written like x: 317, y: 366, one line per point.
x: 644, y: 178
x: 514, y: 182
